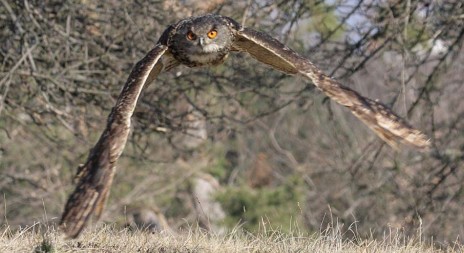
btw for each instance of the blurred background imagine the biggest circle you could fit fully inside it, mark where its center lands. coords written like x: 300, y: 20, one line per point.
x: 237, y: 144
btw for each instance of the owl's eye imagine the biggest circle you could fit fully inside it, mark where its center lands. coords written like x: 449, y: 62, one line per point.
x: 212, y: 34
x: 191, y: 36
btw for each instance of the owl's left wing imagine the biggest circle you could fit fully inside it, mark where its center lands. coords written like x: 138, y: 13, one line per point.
x: 385, y: 123
x: 96, y: 175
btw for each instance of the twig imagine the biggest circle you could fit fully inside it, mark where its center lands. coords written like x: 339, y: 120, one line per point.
x: 6, y: 79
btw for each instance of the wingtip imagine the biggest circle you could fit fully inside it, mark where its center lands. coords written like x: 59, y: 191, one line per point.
x: 419, y: 140
x: 415, y: 139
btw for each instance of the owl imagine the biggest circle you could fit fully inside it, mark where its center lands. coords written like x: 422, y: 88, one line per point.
x: 205, y: 41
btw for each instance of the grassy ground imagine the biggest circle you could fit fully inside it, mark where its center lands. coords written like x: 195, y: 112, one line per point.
x: 106, y: 239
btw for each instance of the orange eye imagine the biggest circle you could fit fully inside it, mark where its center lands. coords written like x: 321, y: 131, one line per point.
x: 212, y: 34
x: 191, y: 36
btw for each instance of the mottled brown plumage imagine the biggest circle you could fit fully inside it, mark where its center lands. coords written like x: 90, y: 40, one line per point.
x: 204, y: 41
x: 94, y: 178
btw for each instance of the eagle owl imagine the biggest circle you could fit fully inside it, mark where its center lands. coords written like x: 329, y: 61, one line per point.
x: 204, y: 41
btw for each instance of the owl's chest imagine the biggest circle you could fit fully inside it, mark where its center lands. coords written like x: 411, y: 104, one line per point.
x: 198, y: 59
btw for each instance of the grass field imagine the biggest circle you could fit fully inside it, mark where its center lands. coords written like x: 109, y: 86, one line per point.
x: 106, y: 239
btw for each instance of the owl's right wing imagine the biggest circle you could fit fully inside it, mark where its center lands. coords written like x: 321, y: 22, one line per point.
x: 385, y: 123
x: 94, y: 178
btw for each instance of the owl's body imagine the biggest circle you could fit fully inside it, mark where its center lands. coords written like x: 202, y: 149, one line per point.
x: 205, y: 41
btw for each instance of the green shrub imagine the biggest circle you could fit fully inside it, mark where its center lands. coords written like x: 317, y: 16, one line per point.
x: 277, y: 207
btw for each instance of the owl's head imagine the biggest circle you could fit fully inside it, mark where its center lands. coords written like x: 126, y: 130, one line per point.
x: 202, y: 40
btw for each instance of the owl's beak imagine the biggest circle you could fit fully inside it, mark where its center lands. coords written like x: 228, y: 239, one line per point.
x: 202, y: 41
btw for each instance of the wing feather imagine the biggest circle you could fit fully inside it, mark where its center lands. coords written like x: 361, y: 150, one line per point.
x: 94, y: 178
x: 266, y: 49
x: 384, y: 122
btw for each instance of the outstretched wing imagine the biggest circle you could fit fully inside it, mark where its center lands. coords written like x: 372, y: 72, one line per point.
x: 386, y: 124
x: 96, y: 175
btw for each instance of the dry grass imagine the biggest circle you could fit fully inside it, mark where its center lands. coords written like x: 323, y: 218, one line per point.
x: 106, y: 239
x: 63, y: 64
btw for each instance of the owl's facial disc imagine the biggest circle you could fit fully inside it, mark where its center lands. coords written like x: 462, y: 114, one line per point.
x: 201, y: 41
x: 205, y: 41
